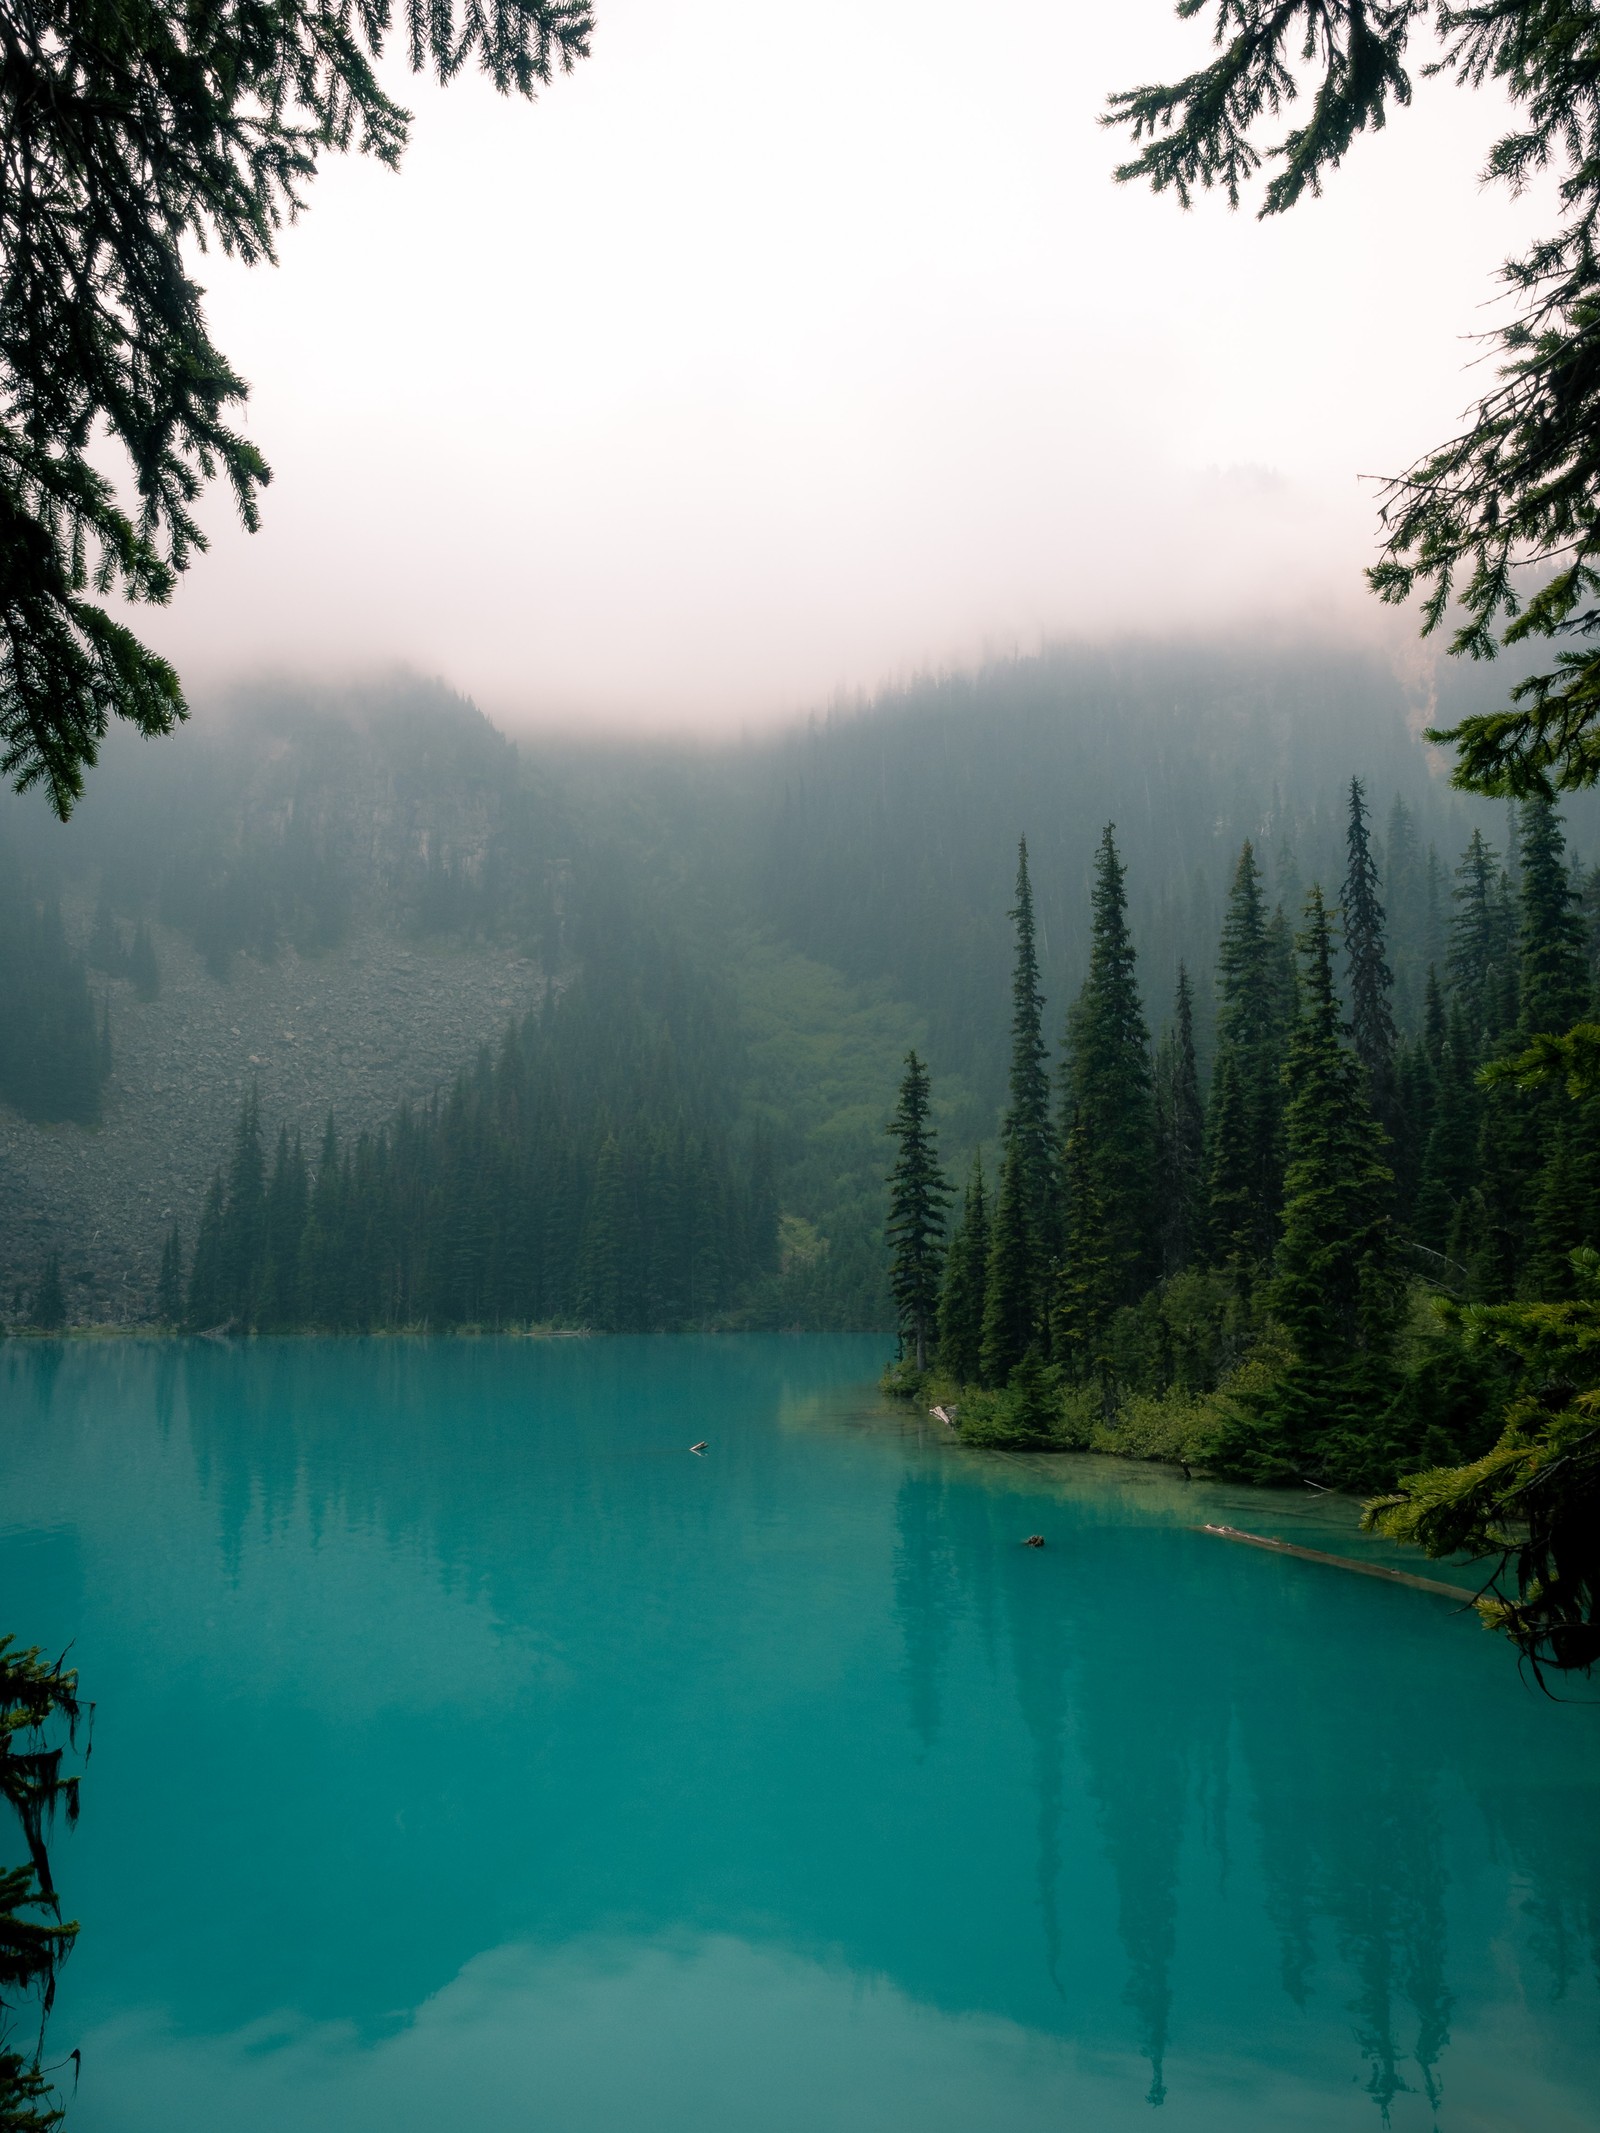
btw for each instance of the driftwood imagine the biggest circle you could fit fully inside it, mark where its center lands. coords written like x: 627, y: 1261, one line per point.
x: 1341, y: 1562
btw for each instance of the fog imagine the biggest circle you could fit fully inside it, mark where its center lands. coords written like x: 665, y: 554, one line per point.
x: 771, y: 356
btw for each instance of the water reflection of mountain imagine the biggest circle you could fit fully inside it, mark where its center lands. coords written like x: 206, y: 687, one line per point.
x: 444, y: 1647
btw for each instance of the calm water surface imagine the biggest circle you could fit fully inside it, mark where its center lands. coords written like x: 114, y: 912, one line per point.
x: 469, y: 1755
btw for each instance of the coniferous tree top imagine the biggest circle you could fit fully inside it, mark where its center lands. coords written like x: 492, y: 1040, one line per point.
x: 1522, y: 483
x: 1028, y: 1119
x: 1371, y: 1018
x: 918, y: 1197
x: 133, y: 133
x: 1554, y: 978
x: 1241, y: 956
x: 1334, y: 1289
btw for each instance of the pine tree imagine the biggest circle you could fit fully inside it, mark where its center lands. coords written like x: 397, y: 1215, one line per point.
x: 961, y: 1300
x: 918, y: 1197
x: 1335, y: 1290
x: 1086, y: 1286
x: 603, y: 1255
x: 49, y: 1310
x: 287, y: 1205
x: 1449, y: 1161
x: 169, y: 1282
x: 1110, y: 1249
x: 1180, y: 1136
x: 1366, y: 958
x: 207, y: 1296
x: 1244, y: 1125
x: 1010, y: 1322
x: 1557, y: 1137
x: 243, y: 1241
x: 1479, y: 948
x: 1408, y: 888
x: 1018, y: 1276
x: 1553, y: 976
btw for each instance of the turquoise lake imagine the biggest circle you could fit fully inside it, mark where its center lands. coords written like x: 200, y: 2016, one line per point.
x: 467, y: 1753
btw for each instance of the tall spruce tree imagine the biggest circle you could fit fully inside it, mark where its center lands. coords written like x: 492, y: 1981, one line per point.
x: 1480, y: 944
x: 1442, y: 1211
x: 1021, y: 1246
x: 1559, y: 1137
x: 1335, y: 1289
x: 244, y: 1219
x: 1180, y: 1136
x: 287, y: 1204
x: 918, y: 1198
x: 1110, y: 1251
x: 966, y: 1270
x: 1367, y: 965
x: 1244, y: 1125
x: 206, y: 1306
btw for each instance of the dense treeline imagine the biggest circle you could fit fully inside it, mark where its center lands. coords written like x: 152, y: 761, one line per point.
x: 55, y: 1048
x: 884, y: 833
x: 1241, y: 1272
x: 586, y: 1174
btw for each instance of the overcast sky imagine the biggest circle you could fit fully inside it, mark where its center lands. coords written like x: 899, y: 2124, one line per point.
x: 779, y: 352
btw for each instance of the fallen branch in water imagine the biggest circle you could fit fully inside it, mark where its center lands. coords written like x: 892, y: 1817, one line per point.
x: 1340, y: 1562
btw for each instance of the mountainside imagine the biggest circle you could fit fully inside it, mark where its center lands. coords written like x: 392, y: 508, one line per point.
x: 336, y: 899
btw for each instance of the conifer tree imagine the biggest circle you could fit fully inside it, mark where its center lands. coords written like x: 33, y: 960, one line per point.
x: 1020, y: 1254
x: 1086, y: 1288
x: 918, y: 1197
x: 207, y: 1296
x: 1027, y: 1121
x: 603, y: 1255
x: 1335, y: 1291
x: 1109, y: 1249
x: 1553, y: 975
x: 243, y: 1240
x: 49, y: 1310
x: 1434, y: 1018
x: 1450, y: 1157
x: 169, y: 1282
x: 1480, y: 945
x: 1010, y: 1321
x: 1558, y: 1137
x: 1408, y: 885
x: 1180, y: 1136
x: 287, y: 1204
x: 966, y: 1269
x: 1366, y: 958
x: 1244, y: 1151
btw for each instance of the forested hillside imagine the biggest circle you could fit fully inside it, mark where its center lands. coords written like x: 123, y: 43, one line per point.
x: 1241, y: 1268
x: 342, y: 903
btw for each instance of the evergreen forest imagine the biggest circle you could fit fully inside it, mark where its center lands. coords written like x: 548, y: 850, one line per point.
x: 1340, y: 1258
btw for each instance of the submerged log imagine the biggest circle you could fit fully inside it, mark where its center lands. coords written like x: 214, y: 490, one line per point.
x: 1341, y: 1562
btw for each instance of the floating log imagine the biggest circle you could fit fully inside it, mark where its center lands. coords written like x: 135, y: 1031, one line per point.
x: 1341, y: 1562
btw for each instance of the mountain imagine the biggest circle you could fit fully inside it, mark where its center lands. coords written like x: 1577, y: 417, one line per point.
x: 342, y: 896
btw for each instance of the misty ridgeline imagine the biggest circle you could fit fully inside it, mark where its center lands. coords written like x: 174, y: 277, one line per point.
x: 340, y: 1010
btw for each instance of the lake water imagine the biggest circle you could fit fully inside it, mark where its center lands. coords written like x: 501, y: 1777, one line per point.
x: 468, y: 1754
